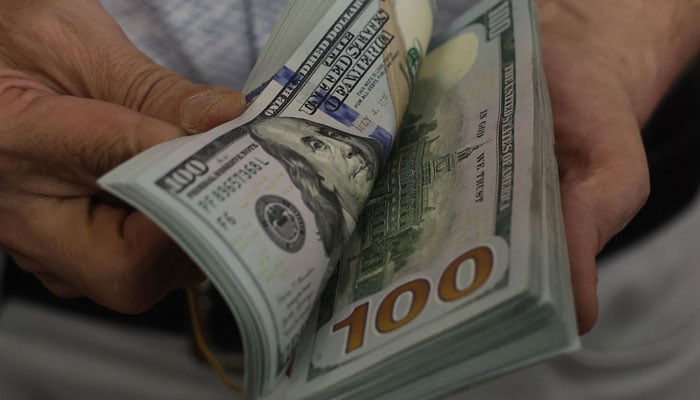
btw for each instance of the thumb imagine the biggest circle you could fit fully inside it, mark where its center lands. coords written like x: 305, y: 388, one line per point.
x: 128, y: 77
x: 165, y: 95
x: 43, y: 129
x: 77, y: 48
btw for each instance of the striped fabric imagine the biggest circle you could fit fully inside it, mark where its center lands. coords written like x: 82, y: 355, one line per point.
x: 213, y: 41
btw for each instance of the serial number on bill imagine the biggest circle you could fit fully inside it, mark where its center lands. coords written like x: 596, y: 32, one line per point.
x: 232, y: 184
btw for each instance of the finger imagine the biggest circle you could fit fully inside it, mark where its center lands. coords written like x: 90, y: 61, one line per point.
x: 595, y: 209
x: 582, y: 241
x: 160, y: 93
x: 194, y: 108
x: 68, y: 137
x: 118, y: 258
x: 602, y: 167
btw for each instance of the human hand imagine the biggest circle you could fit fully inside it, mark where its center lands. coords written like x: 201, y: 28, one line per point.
x: 77, y: 99
x: 608, y: 65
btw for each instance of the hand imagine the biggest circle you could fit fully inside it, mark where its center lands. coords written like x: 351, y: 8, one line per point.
x: 77, y: 99
x: 606, y: 70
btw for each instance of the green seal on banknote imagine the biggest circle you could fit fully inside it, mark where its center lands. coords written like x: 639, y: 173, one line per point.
x: 282, y: 222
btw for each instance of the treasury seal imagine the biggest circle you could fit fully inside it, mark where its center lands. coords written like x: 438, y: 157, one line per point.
x: 282, y: 222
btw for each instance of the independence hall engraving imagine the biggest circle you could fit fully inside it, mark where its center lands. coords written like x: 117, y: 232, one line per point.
x: 391, y: 224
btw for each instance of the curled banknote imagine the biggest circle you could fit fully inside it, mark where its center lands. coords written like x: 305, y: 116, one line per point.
x: 265, y: 203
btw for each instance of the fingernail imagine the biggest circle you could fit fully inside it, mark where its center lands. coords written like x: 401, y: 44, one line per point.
x: 197, y: 109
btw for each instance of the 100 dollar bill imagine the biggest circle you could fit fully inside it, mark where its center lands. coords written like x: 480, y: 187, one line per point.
x: 266, y: 202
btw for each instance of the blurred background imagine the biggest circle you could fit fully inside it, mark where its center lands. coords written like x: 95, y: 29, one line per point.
x: 646, y: 344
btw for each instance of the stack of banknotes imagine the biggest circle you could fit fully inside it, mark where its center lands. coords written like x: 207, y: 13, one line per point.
x: 384, y: 220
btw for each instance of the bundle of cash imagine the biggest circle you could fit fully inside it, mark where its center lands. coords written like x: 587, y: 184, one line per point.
x: 384, y: 218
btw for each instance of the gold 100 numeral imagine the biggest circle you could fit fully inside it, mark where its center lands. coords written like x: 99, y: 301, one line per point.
x: 419, y: 289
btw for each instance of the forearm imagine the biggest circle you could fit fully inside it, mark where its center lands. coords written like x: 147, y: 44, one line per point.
x: 645, y: 43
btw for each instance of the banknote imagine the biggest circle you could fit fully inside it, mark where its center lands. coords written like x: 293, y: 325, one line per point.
x: 266, y: 203
x: 380, y: 207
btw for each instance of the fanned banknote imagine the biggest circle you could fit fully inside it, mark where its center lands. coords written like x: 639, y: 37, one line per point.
x: 383, y: 218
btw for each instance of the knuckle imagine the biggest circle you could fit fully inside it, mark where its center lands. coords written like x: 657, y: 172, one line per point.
x: 50, y: 30
x: 19, y: 94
